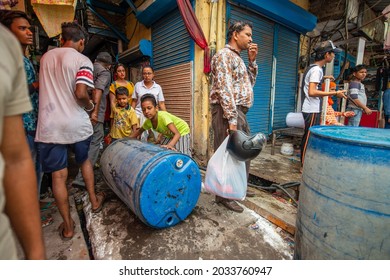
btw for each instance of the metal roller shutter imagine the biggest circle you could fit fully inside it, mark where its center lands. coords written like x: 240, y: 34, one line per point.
x: 176, y: 83
x: 172, y: 56
x: 286, y: 75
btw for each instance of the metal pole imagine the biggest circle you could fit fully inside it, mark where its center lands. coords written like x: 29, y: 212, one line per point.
x: 325, y: 102
x: 343, y: 104
x: 360, y: 50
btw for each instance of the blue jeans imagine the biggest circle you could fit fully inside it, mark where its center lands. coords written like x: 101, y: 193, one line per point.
x: 36, y: 158
x: 355, y: 120
x: 387, y: 124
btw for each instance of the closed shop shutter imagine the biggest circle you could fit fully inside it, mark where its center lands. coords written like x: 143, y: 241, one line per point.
x: 176, y: 83
x: 263, y: 35
x: 286, y: 75
x: 172, y: 56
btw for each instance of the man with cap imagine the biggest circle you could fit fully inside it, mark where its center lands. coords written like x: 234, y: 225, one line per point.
x: 102, y: 81
x: 311, y: 108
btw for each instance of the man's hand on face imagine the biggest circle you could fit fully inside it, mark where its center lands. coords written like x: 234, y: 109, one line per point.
x: 252, y: 52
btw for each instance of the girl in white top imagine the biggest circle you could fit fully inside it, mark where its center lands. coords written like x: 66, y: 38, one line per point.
x: 147, y: 86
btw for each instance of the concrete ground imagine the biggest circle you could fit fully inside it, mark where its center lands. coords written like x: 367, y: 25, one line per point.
x: 56, y: 249
x: 210, y: 232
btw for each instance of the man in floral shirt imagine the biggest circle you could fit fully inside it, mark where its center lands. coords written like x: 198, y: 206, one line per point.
x: 231, y: 94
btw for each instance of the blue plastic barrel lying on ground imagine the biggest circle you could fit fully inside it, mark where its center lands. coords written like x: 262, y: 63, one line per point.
x: 160, y: 186
x: 344, y: 200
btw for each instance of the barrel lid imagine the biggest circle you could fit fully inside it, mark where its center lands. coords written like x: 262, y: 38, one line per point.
x: 356, y: 135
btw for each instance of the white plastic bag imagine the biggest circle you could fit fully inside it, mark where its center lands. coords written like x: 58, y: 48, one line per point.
x: 226, y: 176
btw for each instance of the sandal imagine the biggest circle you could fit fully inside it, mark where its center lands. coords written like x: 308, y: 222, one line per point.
x: 100, y: 207
x: 61, y: 232
x: 46, y: 221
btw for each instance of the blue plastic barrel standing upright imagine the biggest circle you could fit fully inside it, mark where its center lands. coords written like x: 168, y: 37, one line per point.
x: 160, y: 186
x: 344, y: 200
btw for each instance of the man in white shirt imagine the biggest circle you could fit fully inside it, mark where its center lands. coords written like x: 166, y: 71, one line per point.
x: 65, y: 76
x: 311, y: 108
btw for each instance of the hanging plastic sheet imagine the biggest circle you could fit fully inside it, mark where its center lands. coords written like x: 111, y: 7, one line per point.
x: 51, y: 13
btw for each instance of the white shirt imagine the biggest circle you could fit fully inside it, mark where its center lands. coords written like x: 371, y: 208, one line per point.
x: 61, y: 120
x: 140, y: 90
x: 312, y: 104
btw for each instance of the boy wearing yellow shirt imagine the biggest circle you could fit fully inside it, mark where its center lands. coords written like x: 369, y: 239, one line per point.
x: 124, y: 121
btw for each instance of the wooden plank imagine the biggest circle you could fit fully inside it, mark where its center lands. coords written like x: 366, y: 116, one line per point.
x: 279, y: 169
x: 281, y: 214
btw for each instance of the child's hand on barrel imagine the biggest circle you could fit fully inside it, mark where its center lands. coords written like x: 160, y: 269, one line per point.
x: 168, y: 147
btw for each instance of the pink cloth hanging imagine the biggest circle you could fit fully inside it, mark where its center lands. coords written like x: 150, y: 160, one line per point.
x: 195, y: 31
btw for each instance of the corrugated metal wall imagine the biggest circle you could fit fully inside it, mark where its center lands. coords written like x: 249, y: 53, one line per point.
x: 172, y: 61
x: 279, y: 43
x: 171, y: 43
x: 176, y: 83
x: 287, y: 51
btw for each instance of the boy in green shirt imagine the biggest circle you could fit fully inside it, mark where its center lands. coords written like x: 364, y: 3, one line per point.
x: 175, y: 132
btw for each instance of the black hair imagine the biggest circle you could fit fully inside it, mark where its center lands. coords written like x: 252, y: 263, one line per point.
x: 359, y: 67
x: 72, y: 31
x: 122, y: 91
x: 321, y: 55
x: 318, y: 56
x: 147, y: 66
x: 118, y: 65
x: 237, y: 26
x: 149, y: 97
x: 7, y: 17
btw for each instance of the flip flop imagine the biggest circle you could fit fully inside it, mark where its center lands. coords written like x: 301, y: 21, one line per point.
x: 48, y: 205
x: 46, y: 221
x: 61, y: 232
x: 100, y: 207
